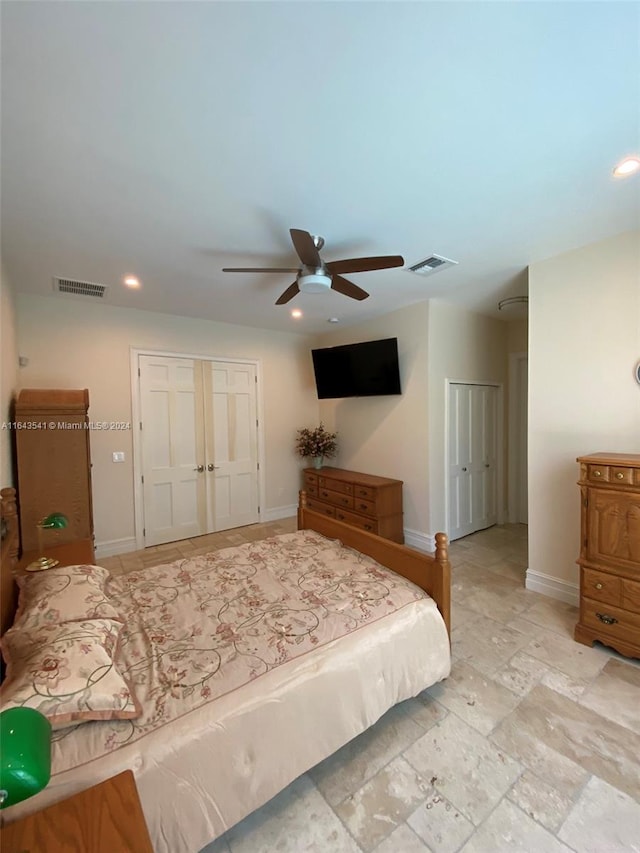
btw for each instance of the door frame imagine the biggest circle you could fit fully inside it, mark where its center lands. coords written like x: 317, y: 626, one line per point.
x: 515, y: 434
x: 499, y: 445
x: 136, y: 410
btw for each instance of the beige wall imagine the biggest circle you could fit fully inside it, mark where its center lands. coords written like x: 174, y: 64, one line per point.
x: 584, y: 340
x: 517, y: 335
x: 387, y: 435
x: 8, y: 378
x: 76, y: 345
x: 404, y: 437
x: 463, y: 346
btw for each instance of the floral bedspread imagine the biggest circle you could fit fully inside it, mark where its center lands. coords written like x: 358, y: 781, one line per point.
x: 201, y: 627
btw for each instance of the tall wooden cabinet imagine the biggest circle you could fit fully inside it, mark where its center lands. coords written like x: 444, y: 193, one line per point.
x: 361, y: 500
x: 54, y: 463
x: 610, y: 551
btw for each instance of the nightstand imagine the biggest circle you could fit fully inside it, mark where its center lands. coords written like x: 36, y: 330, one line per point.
x: 102, y: 819
x: 75, y: 553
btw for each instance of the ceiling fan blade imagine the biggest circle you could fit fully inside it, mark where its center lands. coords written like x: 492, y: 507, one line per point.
x: 383, y: 262
x: 305, y: 247
x: 260, y: 269
x: 289, y: 293
x: 348, y: 288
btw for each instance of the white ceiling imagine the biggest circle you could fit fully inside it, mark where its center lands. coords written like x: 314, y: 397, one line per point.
x: 172, y: 139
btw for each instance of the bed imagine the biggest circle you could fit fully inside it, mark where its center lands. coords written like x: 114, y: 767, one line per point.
x: 241, y: 669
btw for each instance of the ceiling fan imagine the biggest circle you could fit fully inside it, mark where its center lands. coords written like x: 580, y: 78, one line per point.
x: 316, y: 276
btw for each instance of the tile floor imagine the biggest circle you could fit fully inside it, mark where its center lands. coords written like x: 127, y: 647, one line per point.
x: 532, y: 745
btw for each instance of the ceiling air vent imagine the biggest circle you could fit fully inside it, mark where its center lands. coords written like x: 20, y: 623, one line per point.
x: 431, y: 264
x: 79, y: 288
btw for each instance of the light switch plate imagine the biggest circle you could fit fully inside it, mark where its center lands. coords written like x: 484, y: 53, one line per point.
x: 118, y: 456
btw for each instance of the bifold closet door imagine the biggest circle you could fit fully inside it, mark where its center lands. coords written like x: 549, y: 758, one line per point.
x: 199, y: 446
x: 231, y: 444
x: 174, y: 491
x: 472, y: 458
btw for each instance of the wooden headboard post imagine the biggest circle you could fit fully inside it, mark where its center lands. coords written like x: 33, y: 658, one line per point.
x: 10, y: 548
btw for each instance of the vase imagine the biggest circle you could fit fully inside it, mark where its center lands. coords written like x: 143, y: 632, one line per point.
x: 317, y: 461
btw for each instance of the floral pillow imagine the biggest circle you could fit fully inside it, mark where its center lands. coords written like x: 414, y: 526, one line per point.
x: 63, y: 594
x: 67, y: 672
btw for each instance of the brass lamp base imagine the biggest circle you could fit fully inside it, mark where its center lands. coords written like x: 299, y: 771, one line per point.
x: 42, y: 563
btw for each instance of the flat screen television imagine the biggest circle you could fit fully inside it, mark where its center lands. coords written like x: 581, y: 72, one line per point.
x: 367, y: 369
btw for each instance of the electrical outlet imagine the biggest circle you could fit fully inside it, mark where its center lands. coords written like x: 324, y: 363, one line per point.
x: 118, y: 456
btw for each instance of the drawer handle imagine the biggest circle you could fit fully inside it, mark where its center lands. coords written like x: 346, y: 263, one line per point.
x: 340, y: 516
x: 325, y: 494
x: 363, y: 506
x: 598, y: 585
x: 367, y: 527
x: 345, y: 501
x: 597, y: 473
x: 620, y: 475
x: 608, y: 620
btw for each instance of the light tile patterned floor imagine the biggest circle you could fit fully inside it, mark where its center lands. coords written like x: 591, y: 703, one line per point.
x: 532, y: 745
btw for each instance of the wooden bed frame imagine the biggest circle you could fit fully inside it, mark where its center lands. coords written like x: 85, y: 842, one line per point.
x: 10, y: 549
x: 430, y: 573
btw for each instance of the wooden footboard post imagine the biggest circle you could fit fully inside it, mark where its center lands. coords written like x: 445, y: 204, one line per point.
x: 444, y: 581
x: 302, y: 502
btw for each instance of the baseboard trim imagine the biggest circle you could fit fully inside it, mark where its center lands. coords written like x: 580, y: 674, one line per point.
x: 420, y: 541
x: 554, y: 588
x: 279, y: 512
x: 112, y: 547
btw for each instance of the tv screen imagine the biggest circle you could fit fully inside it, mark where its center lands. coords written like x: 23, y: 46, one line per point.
x: 368, y: 369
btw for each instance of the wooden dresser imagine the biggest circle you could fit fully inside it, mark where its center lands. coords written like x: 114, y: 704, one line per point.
x: 610, y: 551
x: 54, y: 463
x: 361, y: 500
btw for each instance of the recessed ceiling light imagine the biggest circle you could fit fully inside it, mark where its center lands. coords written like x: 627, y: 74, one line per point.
x: 131, y: 281
x: 296, y: 312
x: 626, y: 167
x: 333, y: 320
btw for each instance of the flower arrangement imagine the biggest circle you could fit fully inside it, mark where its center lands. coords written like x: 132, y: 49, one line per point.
x: 316, y: 442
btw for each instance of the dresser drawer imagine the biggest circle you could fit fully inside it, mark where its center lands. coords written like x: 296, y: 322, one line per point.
x: 335, y: 485
x: 602, y: 587
x: 621, y: 476
x: 311, y: 489
x: 598, y: 473
x: 322, y: 508
x: 368, y: 524
x: 365, y: 492
x: 611, y: 621
x: 310, y: 480
x: 367, y: 507
x: 336, y: 498
x: 631, y: 595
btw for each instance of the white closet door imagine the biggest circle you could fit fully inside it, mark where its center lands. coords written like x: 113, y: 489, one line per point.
x: 172, y: 449
x: 472, y: 458
x: 231, y: 444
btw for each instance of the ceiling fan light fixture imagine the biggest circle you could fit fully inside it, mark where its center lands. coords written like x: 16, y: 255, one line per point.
x: 314, y: 283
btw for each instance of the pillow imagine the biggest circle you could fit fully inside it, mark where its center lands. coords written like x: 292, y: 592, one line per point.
x: 63, y: 594
x: 67, y: 672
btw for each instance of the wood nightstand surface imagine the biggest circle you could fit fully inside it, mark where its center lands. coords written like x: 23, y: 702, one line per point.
x: 79, y: 553
x: 103, y: 819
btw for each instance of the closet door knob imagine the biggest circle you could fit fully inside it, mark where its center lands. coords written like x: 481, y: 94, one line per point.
x: 212, y: 467
x: 199, y: 469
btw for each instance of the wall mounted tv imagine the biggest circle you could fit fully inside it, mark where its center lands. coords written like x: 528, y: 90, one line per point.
x: 367, y: 369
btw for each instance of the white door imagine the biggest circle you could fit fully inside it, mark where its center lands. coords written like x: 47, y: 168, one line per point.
x: 472, y: 458
x: 231, y: 444
x: 198, y: 446
x: 173, y: 489
x: 523, y: 499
